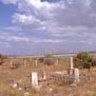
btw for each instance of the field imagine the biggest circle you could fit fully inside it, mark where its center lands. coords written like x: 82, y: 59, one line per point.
x: 21, y: 74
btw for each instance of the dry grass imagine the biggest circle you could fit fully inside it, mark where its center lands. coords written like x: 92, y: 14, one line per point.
x: 22, y: 73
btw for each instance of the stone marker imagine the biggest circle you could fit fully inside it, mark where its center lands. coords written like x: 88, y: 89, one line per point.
x: 71, y: 66
x: 76, y: 75
x: 34, y: 79
x: 71, y: 63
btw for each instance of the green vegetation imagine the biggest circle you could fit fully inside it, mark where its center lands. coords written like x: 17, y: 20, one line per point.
x: 24, y: 66
x: 84, y: 60
x: 47, y: 60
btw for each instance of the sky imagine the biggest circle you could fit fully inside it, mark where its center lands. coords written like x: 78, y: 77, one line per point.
x: 33, y: 27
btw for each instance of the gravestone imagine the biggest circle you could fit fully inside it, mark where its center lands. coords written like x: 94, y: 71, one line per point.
x: 76, y: 76
x: 34, y: 78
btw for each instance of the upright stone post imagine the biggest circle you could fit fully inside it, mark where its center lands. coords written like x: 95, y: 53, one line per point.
x: 34, y: 78
x: 76, y: 76
x: 71, y: 66
x: 71, y: 63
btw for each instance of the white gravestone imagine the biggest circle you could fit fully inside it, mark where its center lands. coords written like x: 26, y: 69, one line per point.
x: 76, y: 75
x: 34, y: 79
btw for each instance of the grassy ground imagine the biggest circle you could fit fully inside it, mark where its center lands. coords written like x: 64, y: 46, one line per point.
x: 22, y: 73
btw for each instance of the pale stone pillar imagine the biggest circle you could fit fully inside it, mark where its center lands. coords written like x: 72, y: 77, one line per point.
x: 71, y: 66
x: 76, y: 75
x: 34, y: 78
x: 71, y: 63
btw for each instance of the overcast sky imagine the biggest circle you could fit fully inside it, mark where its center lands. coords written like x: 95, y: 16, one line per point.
x: 47, y: 26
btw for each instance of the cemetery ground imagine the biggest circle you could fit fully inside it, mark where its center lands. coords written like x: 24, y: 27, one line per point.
x: 21, y: 74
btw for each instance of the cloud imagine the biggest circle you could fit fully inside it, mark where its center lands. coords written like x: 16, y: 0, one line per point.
x: 49, y: 41
x: 9, y: 1
x: 58, y: 14
x: 8, y: 38
x: 24, y: 19
x: 68, y: 23
x: 11, y: 36
x: 12, y: 28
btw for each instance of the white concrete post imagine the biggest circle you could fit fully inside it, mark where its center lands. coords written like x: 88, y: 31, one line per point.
x: 34, y: 79
x: 76, y: 75
x: 71, y: 65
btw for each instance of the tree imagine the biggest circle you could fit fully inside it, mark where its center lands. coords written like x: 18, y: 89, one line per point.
x: 49, y: 60
x: 41, y: 59
x: 84, y: 60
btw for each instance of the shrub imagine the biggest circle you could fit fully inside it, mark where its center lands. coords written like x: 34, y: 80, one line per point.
x: 41, y: 59
x: 84, y: 60
x: 49, y: 60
